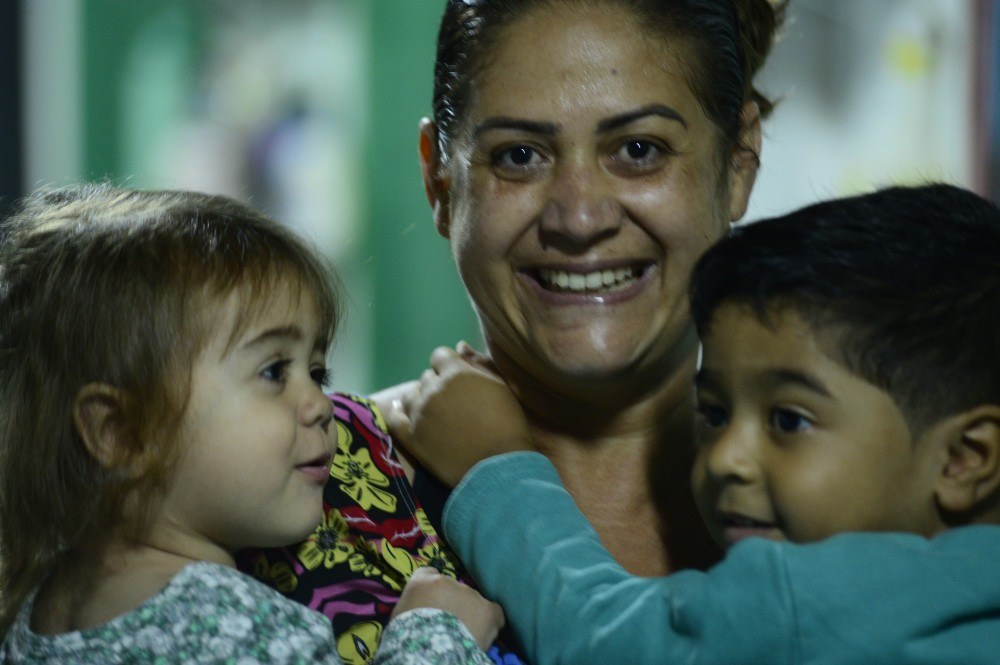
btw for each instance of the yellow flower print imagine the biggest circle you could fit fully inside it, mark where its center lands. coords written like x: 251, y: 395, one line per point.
x: 280, y: 574
x: 398, y: 560
x: 327, y: 545
x: 434, y: 554
x: 358, y: 645
x: 394, y: 566
x: 425, y: 523
x: 358, y: 476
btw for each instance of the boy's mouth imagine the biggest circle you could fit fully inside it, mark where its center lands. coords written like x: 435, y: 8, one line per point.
x: 736, y: 527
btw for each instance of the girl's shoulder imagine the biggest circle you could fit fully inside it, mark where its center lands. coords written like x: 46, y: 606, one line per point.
x: 206, y: 613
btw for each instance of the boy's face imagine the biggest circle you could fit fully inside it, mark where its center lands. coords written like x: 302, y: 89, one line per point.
x: 254, y: 451
x: 793, y: 446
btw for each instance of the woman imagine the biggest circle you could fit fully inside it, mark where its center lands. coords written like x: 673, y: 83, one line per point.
x: 582, y: 155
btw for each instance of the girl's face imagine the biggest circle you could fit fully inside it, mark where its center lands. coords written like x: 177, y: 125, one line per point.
x: 254, y: 452
x: 580, y: 189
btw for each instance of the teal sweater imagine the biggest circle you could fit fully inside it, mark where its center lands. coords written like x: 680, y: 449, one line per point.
x: 852, y: 599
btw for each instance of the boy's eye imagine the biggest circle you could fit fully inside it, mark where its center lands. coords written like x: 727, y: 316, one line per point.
x: 788, y: 421
x: 712, y: 416
x: 321, y: 376
x: 276, y: 372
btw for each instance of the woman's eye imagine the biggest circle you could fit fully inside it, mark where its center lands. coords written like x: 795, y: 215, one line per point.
x: 321, y: 376
x: 276, y: 372
x: 712, y: 416
x: 516, y: 157
x: 639, y: 150
x: 787, y: 421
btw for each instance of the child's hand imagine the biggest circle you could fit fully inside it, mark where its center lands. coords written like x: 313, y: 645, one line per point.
x: 429, y: 588
x: 458, y: 414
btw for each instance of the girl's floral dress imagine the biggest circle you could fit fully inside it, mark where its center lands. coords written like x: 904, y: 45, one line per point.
x: 374, y: 535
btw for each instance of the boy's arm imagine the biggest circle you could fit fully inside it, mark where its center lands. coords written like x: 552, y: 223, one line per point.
x: 529, y: 547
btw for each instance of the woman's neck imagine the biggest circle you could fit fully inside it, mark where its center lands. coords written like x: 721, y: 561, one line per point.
x: 625, y: 454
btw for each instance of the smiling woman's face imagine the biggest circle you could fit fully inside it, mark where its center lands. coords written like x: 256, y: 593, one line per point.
x: 583, y: 184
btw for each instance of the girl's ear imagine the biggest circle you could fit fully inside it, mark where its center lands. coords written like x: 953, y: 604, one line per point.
x: 971, y: 474
x: 436, y: 182
x: 99, y: 417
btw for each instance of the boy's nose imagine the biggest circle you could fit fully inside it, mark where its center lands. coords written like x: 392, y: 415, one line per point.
x: 731, y: 456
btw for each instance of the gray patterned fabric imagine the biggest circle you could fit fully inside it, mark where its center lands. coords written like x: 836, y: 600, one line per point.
x: 213, y: 614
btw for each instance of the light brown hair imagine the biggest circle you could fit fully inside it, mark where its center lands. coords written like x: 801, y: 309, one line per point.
x: 115, y: 287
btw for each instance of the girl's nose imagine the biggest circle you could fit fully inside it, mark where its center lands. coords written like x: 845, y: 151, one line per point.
x: 316, y: 409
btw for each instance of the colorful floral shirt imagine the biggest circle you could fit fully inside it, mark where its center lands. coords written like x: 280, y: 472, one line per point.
x: 213, y: 614
x: 375, y: 534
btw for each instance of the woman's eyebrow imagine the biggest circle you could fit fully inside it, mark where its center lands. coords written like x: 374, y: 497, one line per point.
x: 505, y: 122
x: 662, y: 110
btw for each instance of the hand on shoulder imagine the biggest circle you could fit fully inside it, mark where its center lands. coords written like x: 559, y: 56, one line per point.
x: 459, y: 413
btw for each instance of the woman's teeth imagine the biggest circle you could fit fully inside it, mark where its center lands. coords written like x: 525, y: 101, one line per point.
x: 577, y: 282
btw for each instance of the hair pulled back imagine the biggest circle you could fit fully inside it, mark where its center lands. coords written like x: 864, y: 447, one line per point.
x: 730, y: 39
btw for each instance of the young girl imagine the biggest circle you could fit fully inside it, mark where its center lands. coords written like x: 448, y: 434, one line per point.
x: 163, y: 355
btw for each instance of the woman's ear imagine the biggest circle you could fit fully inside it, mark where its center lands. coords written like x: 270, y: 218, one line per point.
x: 971, y: 474
x: 744, y: 161
x: 99, y: 417
x: 436, y: 182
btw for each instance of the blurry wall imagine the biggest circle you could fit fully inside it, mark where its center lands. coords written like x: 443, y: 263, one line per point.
x: 309, y: 110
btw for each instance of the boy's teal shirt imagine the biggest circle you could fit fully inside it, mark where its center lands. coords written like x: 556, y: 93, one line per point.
x: 867, y: 598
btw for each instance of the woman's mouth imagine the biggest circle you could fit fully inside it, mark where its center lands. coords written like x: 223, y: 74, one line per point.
x: 607, y: 280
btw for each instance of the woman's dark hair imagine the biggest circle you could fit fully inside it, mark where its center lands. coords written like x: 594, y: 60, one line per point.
x: 731, y: 40
x: 901, y: 286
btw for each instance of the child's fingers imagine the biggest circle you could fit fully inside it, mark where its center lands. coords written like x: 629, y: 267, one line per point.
x: 475, y: 358
x: 429, y: 588
x: 399, y: 424
x: 442, y: 358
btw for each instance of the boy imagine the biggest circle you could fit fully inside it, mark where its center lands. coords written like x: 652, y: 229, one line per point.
x: 847, y: 384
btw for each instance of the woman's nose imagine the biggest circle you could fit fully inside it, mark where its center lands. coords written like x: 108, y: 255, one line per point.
x: 581, y: 208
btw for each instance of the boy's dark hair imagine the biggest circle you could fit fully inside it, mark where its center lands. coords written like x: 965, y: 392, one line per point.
x: 902, y: 286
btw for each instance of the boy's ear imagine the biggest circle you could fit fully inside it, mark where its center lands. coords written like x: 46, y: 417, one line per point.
x: 99, y: 417
x: 971, y: 474
x: 436, y: 181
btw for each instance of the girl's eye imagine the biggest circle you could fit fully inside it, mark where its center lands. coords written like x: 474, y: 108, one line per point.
x: 321, y: 376
x: 712, y: 416
x: 787, y: 421
x: 276, y: 372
